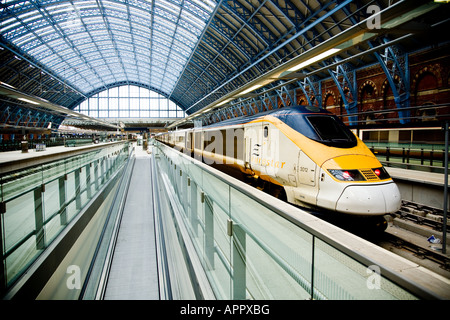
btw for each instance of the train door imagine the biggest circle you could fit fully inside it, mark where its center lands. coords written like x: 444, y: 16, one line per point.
x: 306, y: 170
x: 267, y: 156
x: 307, y: 188
x: 198, y: 143
x: 253, y: 146
x: 247, y: 152
x: 189, y: 143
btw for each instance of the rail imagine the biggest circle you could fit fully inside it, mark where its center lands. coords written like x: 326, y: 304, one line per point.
x: 38, y: 202
x: 252, y: 246
x: 77, y: 142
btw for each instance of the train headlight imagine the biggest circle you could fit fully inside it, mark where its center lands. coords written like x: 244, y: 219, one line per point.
x: 347, y: 175
x: 381, y: 173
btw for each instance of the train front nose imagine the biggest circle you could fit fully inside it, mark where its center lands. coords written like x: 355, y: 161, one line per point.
x: 370, y: 199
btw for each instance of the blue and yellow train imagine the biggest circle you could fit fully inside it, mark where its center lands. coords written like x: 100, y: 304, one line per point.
x: 303, y: 154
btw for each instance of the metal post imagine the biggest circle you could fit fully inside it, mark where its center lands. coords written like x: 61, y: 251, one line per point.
x: 182, y: 192
x: 209, y: 232
x: 2, y: 268
x: 193, y: 202
x: 313, y: 245
x: 96, y: 175
x: 239, y: 273
x: 62, y: 199
x: 39, y: 218
x: 88, y: 180
x: 103, y: 165
x: 77, y: 189
x: 444, y: 229
x: 108, y: 167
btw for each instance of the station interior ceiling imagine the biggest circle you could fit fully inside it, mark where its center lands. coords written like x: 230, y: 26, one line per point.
x: 210, y: 57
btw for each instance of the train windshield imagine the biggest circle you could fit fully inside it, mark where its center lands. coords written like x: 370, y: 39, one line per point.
x: 320, y: 126
x: 331, y: 131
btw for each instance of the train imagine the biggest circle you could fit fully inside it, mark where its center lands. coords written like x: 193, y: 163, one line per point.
x: 302, y: 154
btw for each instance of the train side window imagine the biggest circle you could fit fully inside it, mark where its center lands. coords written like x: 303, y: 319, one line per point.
x: 266, y: 131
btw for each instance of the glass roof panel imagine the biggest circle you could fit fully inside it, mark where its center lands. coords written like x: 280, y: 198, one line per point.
x: 96, y: 43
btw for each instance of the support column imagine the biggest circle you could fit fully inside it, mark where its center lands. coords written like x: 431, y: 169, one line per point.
x: 314, y: 89
x: 345, y: 79
x: 395, y: 65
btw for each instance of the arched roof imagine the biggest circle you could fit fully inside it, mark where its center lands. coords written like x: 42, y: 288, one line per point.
x: 93, y: 44
x: 191, y: 51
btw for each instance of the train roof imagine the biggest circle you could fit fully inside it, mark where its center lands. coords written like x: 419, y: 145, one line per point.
x: 315, y: 123
x: 282, y: 114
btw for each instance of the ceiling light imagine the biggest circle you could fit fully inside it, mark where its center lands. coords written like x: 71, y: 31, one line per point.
x: 223, y: 102
x: 8, y: 85
x: 29, y: 101
x: 319, y: 57
x: 256, y: 86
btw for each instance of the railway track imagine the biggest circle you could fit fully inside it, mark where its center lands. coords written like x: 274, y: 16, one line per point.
x: 408, y: 232
x: 422, y: 215
x: 421, y: 252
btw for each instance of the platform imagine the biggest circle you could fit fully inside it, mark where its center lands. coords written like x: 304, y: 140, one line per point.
x: 415, y: 176
x: 16, y: 160
x: 422, y: 187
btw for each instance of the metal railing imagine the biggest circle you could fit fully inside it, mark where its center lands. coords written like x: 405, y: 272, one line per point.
x: 253, y: 246
x: 421, y: 157
x: 38, y: 202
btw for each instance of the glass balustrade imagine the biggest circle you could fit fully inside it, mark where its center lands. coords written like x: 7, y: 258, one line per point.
x: 38, y: 202
x: 250, y: 251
